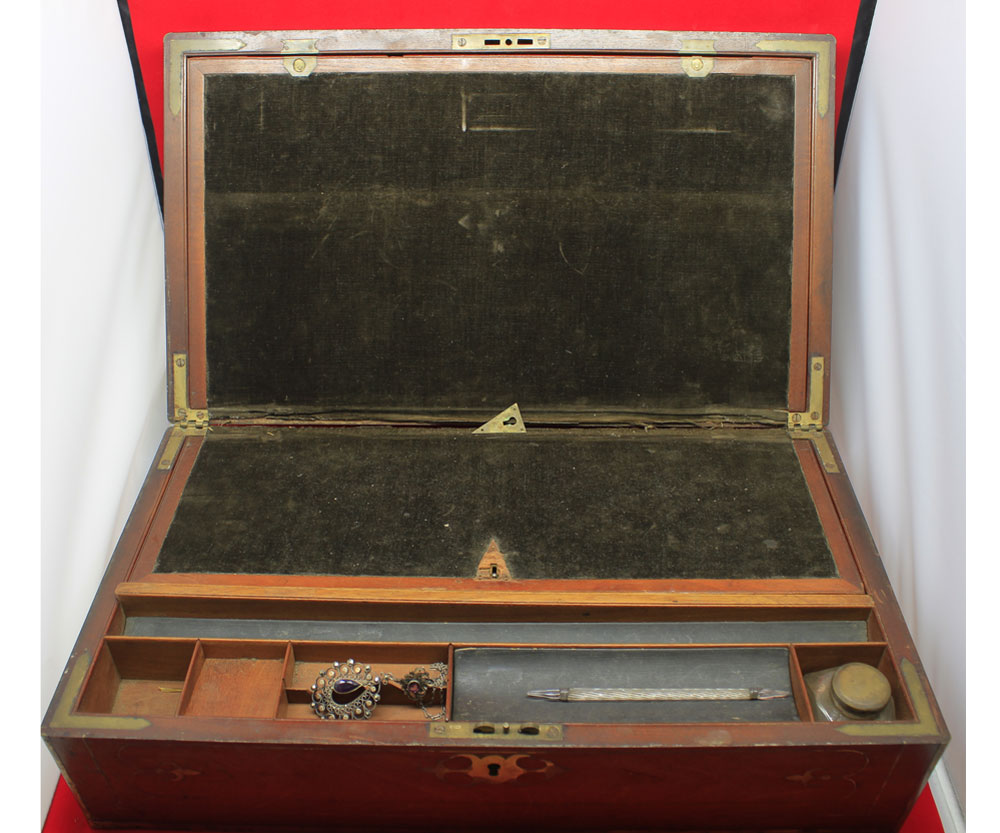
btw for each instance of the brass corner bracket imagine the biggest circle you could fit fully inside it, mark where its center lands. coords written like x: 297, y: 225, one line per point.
x: 812, y: 417
x: 184, y: 415
x: 823, y: 50
x: 179, y: 49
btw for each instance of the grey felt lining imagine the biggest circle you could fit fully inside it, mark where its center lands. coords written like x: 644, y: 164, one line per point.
x: 512, y: 633
x: 490, y: 684
x: 561, y: 504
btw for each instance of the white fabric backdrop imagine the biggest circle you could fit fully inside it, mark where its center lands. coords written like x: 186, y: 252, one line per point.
x: 898, y: 365
x: 103, y: 342
x: 898, y: 358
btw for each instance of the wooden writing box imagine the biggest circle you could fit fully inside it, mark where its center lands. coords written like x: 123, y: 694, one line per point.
x: 377, y: 241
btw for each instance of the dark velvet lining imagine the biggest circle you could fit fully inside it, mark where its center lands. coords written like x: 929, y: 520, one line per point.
x: 561, y: 504
x: 446, y: 240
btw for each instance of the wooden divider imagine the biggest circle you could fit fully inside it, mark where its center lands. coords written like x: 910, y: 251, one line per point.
x: 272, y: 679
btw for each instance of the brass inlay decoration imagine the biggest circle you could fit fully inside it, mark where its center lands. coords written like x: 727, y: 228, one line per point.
x: 501, y: 40
x: 494, y: 769
x: 64, y: 718
x: 178, y: 49
x: 925, y: 723
x: 698, y: 66
x: 484, y: 730
x: 298, y: 64
x: 493, y: 565
x: 507, y: 421
x: 824, y: 64
x: 813, y: 416
x: 184, y: 415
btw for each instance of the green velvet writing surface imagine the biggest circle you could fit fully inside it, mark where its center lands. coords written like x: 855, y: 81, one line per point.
x: 562, y: 504
x: 446, y: 240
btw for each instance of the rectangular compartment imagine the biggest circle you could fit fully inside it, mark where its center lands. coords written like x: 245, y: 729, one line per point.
x: 137, y: 677
x: 234, y: 679
x: 307, y: 660
x: 491, y: 684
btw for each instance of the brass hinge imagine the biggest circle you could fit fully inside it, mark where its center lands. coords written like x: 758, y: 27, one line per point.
x: 808, y: 424
x: 184, y: 415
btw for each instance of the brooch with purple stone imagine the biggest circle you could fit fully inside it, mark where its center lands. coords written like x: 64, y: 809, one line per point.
x: 347, y: 691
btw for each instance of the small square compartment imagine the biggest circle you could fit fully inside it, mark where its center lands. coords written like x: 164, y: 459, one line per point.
x: 234, y: 679
x: 135, y: 676
x: 812, y: 658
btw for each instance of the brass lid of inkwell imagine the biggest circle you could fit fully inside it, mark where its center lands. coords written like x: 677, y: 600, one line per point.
x: 861, y: 689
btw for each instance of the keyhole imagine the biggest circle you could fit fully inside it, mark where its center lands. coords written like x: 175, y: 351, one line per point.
x: 494, y: 769
x: 510, y: 421
x: 493, y: 571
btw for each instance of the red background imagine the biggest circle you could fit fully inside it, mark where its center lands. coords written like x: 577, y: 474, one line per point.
x: 66, y: 816
x: 152, y: 19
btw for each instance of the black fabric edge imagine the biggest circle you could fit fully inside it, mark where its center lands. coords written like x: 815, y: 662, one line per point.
x: 859, y: 45
x: 144, y: 111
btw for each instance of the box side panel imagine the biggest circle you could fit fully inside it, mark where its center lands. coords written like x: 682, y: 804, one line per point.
x: 837, y: 788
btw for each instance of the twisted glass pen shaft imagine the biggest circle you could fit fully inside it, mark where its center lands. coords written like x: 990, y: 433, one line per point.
x: 647, y: 694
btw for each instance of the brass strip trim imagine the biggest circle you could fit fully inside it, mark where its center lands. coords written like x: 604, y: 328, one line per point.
x: 825, y: 452
x: 824, y: 64
x: 492, y: 732
x: 180, y: 47
x: 63, y: 717
x: 924, y: 725
x: 823, y: 448
x: 174, y: 443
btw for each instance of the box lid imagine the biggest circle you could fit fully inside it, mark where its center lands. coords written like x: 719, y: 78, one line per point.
x: 394, y: 224
x: 145, y: 22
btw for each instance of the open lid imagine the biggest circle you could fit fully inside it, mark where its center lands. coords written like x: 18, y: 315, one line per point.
x: 145, y: 22
x: 435, y: 230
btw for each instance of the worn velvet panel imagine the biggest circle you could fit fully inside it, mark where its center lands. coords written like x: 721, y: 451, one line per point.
x: 561, y: 504
x: 462, y: 241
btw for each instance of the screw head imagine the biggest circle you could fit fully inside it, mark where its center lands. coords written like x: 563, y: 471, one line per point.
x: 179, y: 362
x: 697, y: 64
x: 817, y: 366
x: 462, y: 41
x: 298, y: 64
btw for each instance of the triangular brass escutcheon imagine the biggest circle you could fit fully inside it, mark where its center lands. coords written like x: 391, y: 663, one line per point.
x: 493, y: 565
x: 506, y: 422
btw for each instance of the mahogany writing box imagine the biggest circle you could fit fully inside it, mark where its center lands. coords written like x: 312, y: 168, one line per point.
x: 376, y: 243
